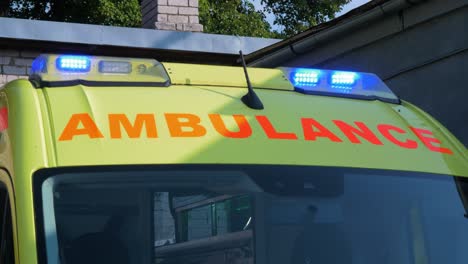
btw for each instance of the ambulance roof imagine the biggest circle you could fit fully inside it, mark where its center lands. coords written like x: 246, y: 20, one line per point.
x: 197, y: 117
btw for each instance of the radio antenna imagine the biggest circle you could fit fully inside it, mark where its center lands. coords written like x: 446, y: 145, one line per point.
x: 250, y: 99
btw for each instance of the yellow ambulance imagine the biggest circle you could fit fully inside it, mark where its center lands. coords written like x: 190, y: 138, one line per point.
x: 129, y: 160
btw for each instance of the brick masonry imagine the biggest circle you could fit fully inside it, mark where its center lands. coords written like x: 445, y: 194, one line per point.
x: 15, y: 64
x: 181, y: 15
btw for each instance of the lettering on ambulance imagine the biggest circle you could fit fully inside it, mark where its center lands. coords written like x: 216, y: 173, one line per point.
x: 385, y: 131
x: 3, y: 118
x: 179, y: 123
x: 189, y: 125
x: 88, y: 127
x: 308, y: 125
x: 428, y: 139
x: 271, y: 132
x: 116, y: 121
x: 245, y: 130
x: 363, y: 131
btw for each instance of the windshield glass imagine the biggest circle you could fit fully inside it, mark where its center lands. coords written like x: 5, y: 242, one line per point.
x: 250, y: 214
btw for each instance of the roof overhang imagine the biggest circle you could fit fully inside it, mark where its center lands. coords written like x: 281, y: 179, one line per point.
x: 278, y: 53
x: 48, y: 36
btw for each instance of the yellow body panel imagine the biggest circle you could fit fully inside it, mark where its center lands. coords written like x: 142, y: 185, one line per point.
x: 283, y: 109
x: 193, y: 74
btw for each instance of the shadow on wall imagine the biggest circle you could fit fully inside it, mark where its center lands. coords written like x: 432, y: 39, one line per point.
x: 439, y: 89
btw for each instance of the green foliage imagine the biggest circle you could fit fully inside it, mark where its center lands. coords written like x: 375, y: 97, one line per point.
x: 233, y: 17
x: 239, y: 17
x: 103, y: 12
x: 294, y: 16
x: 119, y: 13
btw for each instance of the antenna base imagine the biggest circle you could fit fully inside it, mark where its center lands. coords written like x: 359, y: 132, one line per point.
x: 251, y: 100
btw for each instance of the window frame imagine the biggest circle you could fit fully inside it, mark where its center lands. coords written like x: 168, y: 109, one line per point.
x: 8, y: 214
x: 260, y: 253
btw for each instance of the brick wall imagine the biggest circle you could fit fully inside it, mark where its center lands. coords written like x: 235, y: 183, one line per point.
x: 180, y: 15
x: 15, y: 64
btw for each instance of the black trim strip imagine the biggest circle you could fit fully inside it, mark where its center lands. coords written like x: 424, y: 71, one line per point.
x: 352, y: 96
x: 39, y: 83
x: 232, y: 86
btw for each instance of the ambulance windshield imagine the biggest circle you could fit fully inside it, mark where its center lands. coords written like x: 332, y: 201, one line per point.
x: 250, y: 214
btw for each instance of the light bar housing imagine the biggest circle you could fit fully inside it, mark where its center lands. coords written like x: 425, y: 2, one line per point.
x: 51, y: 70
x: 348, y: 84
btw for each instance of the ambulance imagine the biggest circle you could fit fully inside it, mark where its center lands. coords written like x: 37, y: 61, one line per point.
x: 129, y: 160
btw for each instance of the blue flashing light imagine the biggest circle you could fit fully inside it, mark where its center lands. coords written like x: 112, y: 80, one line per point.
x: 304, y: 77
x: 343, y: 79
x: 73, y: 63
x: 355, y: 85
x: 39, y: 65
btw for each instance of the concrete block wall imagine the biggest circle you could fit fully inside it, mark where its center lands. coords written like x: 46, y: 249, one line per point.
x: 15, y: 64
x: 179, y: 15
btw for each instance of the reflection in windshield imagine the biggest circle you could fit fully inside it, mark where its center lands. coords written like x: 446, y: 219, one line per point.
x: 254, y: 214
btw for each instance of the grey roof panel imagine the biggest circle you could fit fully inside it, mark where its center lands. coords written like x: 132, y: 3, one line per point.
x: 23, y: 29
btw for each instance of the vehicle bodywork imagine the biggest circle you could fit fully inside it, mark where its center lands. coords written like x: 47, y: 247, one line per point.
x: 200, y: 119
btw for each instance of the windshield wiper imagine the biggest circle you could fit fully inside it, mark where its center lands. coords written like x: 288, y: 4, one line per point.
x: 462, y: 188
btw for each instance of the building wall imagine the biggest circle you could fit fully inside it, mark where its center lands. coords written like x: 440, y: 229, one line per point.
x: 15, y: 64
x: 180, y: 15
x: 421, y: 53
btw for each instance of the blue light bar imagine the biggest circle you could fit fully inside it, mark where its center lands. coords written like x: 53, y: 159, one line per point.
x: 39, y: 65
x: 343, y: 78
x: 356, y: 85
x: 71, y: 63
x: 305, y: 77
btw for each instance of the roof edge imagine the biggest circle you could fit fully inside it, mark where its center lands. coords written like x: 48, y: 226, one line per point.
x: 272, y: 55
x: 39, y: 31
